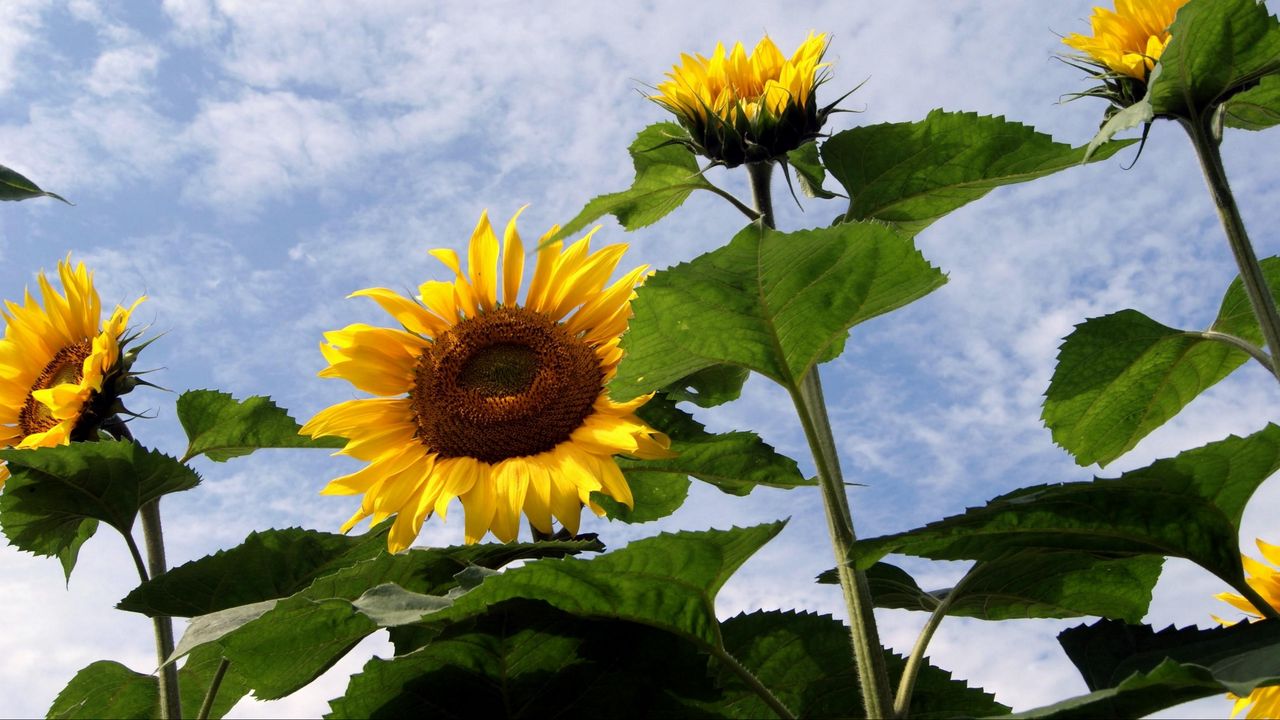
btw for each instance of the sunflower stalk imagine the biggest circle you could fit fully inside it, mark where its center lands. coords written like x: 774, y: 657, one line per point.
x: 1206, y: 143
x: 873, y: 677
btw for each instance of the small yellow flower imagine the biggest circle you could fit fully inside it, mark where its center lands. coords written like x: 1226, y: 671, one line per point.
x: 499, y: 404
x: 1265, y: 580
x: 60, y: 367
x: 748, y: 107
x: 1130, y: 40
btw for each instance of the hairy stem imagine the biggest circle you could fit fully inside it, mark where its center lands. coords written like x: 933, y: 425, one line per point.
x: 902, y: 702
x: 750, y: 679
x: 1255, y: 284
x: 873, y: 677
x: 207, y: 705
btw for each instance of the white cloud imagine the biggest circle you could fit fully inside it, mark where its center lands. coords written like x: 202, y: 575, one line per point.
x: 124, y: 70
x: 20, y: 21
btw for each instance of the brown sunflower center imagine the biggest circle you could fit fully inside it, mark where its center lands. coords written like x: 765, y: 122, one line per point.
x: 67, y: 366
x: 508, y: 383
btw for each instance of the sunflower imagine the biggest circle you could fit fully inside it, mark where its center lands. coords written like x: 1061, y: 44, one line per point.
x: 499, y: 404
x: 1125, y: 46
x: 1265, y: 579
x: 748, y: 107
x: 61, y: 369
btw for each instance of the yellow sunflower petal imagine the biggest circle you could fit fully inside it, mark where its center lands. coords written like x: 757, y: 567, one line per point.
x: 512, y: 261
x: 482, y: 260
x: 480, y: 504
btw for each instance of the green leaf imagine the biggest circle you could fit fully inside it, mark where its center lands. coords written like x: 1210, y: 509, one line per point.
x: 710, y: 386
x: 53, y: 491
x: 1188, y: 506
x: 735, y: 462
x: 107, y: 689
x: 666, y: 172
x: 911, y: 174
x: 526, y: 659
x: 1216, y: 48
x: 268, y: 564
x: 279, y: 646
x: 805, y: 660
x: 809, y: 171
x: 195, y: 677
x: 1139, y: 113
x: 1133, y: 670
x: 655, y: 495
x: 1257, y: 108
x: 70, y: 544
x: 1027, y: 584
x: 669, y: 582
x: 769, y: 301
x: 1121, y: 376
x: 220, y: 427
x: 13, y: 186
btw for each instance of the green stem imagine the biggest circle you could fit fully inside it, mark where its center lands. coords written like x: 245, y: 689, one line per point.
x: 1263, y: 607
x: 915, y: 661
x: 1254, y: 351
x: 873, y: 676
x: 751, y: 214
x: 1255, y: 283
x: 162, y: 625
x: 747, y: 676
x: 207, y: 705
x: 153, y: 538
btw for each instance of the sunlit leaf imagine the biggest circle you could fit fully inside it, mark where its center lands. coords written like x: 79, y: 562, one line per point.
x: 912, y: 173
x: 809, y: 171
x: 14, y: 186
x: 1216, y: 48
x: 666, y: 173
x: 220, y: 427
x: 107, y: 689
x: 54, y: 490
x: 710, y: 386
x: 1121, y: 376
x: 769, y: 301
x: 1188, y: 506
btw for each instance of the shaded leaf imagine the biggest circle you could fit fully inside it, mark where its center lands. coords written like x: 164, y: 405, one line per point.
x: 1257, y: 108
x: 54, y: 490
x: 809, y: 171
x: 220, y: 427
x: 1123, y: 375
x: 1188, y: 506
x: 769, y: 301
x: 14, y: 186
x: 1134, y: 670
x: 268, y: 564
x: 891, y: 587
x: 527, y: 659
x: 911, y: 174
x: 195, y: 677
x: 710, y: 386
x: 666, y: 172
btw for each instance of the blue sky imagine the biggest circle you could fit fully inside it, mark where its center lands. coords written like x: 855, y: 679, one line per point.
x: 247, y: 165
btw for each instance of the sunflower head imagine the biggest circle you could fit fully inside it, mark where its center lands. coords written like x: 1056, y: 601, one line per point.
x: 62, y: 370
x: 479, y: 397
x: 748, y: 107
x: 1264, y: 578
x: 1125, y: 46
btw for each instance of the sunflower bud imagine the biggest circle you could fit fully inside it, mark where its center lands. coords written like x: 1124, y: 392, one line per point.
x: 1125, y: 46
x: 745, y: 108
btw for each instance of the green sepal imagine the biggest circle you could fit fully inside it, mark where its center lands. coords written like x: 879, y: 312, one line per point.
x: 220, y: 427
x: 14, y: 186
x: 666, y: 172
x: 913, y: 173
x: 54, y: 490
x: 771, y: 302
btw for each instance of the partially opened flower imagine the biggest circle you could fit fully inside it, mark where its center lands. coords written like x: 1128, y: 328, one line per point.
x: 1265, y: 580
x: 499, y: 404
x: 62, y: 370
x: 1125, y: 46
x: 748, y: 107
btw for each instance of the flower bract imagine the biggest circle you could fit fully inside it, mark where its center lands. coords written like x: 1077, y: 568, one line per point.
x: 1264, y: 578
x: 500, y: 404
x: 748, y: 107
x: 1125, y: 46
x: 61, y: 368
